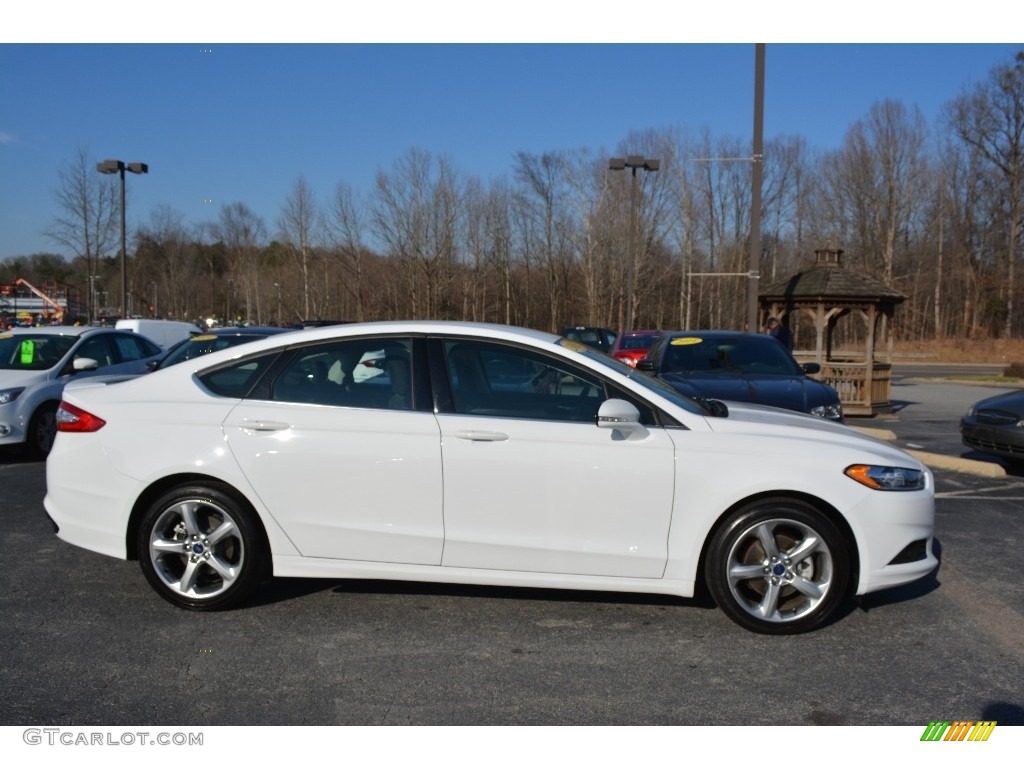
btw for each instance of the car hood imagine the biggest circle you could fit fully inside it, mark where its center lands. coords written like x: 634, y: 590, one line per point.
x: 795, y: 393
x: 11, y: 379
x: 762, y: 421
x: 1011, y: 402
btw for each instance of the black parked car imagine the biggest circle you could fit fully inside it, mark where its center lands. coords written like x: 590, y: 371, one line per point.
x: 598, y: 338
x: 745, y: 367
x: 215, y: 340
x: 995, y: 426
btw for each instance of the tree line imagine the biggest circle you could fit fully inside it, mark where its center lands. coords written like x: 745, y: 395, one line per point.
x: 935, y: 211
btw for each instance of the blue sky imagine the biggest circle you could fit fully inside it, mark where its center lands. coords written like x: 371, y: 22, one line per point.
x: 237, y: 121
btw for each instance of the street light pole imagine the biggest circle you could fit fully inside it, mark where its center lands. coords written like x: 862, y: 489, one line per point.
x: 116, y: 166
x: 633, y: 162
x: 754, y: 260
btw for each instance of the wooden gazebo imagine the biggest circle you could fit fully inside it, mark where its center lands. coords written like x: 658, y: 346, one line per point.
x: 827, y: 294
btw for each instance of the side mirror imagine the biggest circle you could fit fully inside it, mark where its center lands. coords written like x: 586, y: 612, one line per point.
x: 621, y: 417
x: 84, y: 364
x: 810, y: 368
x: 716, y: 408
x: 645, y: 365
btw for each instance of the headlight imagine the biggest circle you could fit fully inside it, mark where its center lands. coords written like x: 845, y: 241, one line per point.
x: 887, y: 478
x: 832, y: 412
x: 10, y: 395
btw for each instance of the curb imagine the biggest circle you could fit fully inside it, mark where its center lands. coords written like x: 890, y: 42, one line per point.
x: 956, y: 464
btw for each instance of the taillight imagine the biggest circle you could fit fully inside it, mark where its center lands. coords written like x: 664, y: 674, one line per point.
x: 73, y: 419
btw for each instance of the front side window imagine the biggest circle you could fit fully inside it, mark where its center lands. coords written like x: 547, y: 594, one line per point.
x: 489, y: 379
x: 97, y: 348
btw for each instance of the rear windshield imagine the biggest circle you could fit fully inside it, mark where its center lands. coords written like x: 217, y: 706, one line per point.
x: 637, y: 342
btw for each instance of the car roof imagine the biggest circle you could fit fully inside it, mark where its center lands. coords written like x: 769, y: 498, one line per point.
x: 248, y: 330
x: 58, y: 330
x: 381, y: 328
x: 447, y: 327
x: 714, y: 334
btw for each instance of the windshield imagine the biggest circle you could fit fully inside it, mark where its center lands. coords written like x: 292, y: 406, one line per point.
x: 33, y: 352
x: 644, y: 380
x: 728, y: 355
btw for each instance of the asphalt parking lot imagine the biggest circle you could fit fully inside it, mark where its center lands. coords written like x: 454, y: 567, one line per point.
x: 86, y: 642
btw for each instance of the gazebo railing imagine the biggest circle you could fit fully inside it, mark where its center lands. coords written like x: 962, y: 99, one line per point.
x: 859, y: 395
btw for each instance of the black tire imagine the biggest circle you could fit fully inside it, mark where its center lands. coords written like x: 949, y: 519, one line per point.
x: 778, y: 567
x: 42, y: 429
x: 201, y: 548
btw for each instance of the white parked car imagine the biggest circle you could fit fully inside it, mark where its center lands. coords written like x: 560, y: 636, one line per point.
x: 480, y: 455
x: 166, y: 333
x: 36, y: 363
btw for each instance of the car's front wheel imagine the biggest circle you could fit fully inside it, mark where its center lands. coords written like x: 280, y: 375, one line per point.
x: 42, y: 430
x: 778, y: 567
x: 201, y: 548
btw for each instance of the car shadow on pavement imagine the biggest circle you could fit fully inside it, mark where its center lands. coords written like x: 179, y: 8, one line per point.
x: 285, y: 589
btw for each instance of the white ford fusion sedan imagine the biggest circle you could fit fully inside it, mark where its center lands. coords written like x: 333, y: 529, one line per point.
x: 480, y: 454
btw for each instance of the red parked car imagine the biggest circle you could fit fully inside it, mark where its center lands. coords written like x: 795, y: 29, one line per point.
x: 631, y: 346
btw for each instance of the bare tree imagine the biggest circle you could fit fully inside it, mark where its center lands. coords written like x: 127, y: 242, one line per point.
x: 167, y: 263
x: 243, y: 234
x: 875, y: 183
x: 415, y: 213
x: 345, y: 228
x: 541, y: 191
x: 990, y: 118
x: 87, y: 204
x: 298, y: 222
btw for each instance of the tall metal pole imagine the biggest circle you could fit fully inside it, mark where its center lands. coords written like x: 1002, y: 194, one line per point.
x: 754, y: 265
x: 124, y: 254
x: 633, y: 255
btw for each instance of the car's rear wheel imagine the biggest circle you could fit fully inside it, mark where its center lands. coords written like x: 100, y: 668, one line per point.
x: 42, y: 429
x: 201, y: 548
x: 778, y: 567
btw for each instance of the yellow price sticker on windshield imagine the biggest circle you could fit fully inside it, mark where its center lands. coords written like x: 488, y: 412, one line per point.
x: 685, y: 341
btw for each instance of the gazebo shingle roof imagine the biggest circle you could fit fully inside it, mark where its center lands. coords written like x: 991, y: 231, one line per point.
x: 828, y: 280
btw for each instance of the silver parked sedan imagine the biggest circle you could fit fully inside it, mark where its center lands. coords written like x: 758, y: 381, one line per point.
x: 36, y: 363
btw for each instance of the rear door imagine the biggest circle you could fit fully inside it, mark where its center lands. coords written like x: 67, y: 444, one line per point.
x: 349, y: 465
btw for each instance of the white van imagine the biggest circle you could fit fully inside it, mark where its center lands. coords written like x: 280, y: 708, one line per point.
x: 166, y: 333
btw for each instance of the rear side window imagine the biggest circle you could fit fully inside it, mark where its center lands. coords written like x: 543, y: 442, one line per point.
x: 237, y: 379
x: 351, y: 373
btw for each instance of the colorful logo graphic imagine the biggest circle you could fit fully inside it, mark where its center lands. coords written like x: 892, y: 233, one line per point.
x: 958, y: 730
